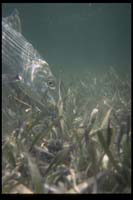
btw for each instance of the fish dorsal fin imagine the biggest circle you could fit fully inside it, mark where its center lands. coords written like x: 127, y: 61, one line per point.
x: 14, y: 21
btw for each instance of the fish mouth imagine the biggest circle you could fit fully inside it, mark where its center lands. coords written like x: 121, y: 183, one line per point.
x: 51, y: 98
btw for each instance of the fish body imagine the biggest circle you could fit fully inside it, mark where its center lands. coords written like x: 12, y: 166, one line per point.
x: 21, y: 59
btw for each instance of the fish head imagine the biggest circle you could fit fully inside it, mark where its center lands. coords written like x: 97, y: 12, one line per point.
x: 38, y: 76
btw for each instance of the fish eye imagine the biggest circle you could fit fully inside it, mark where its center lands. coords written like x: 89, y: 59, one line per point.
x: 51, y: 84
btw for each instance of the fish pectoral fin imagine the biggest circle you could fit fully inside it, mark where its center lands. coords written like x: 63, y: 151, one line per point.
x: 6, y: 78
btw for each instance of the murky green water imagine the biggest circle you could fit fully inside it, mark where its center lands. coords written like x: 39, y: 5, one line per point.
x: 68, y: 128
x: 77, y: 37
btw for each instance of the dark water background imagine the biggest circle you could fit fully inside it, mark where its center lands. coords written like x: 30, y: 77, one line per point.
x: 78, y: 37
